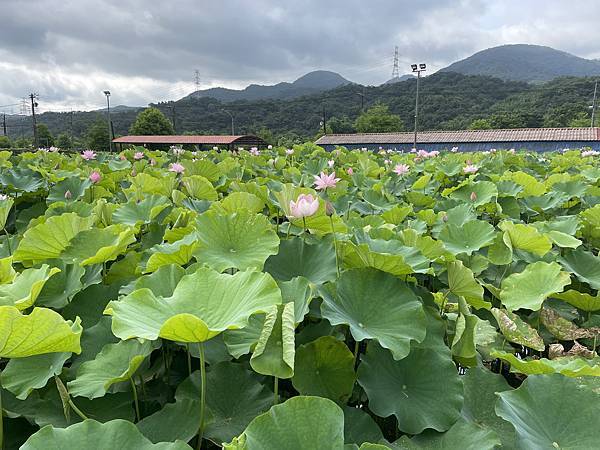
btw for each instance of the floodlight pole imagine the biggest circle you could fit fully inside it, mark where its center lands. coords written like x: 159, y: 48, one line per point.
x: 107, y: 93
x: 232, y: 124
x: 417, y: 68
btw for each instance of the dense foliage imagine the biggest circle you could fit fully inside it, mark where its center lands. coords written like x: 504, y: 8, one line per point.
x: 448, y: 101
x: 412, y: 301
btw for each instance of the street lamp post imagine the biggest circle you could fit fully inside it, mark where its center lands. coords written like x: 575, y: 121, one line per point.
x: 107, y: 93
x: 362, y: 101
x: 232, y: 124
x: 417, y: 68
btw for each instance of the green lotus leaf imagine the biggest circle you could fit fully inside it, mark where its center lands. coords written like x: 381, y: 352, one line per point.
x: 144, y: 183
x: 98, y: 245
x: 531, y: 186
x: 467, y: 238
x: 463, y: 435
x: 25, y: 180
x: 23, y: 375
x: 74, y: 185
x: 378, y: 306
x: 179, y: 252
x: 529, y: 288
x: 114, y: 364
x: 563, y: 329
x: 570, y: 366
x: 199, y: 187
x: 525, y: 237
x: 7, y: 273
x: 299, y: 292
x: 500, y: 252
x: 580, y: 300
x: 462, y: 284
x: 26, y: 287
x: 359, y: 427
x: 324, y: 368
x: 534, y: 407
x: 275, y: 350
x: 240, y: 200
x: 481, y: 386
x: 93, y: 340
x: 397, y: 214
x: 422, y: 390
x: 517, y: 331
x: 42, y: 331
x: 139, y: 212
x: 584, y: 265
x: 116, y: 165
x: 297, y: 258
x: 463, y: 343
x: 49, y: 239
x: 485, y: 191
x: 163, y: 281
x: 5, y: 207
x: 100, y: 436
x: 60, y: 289
x: 300, y: 422
x: 242, y: 341
x: 234, y: 396
x: 204, y: 304
x: 242, y: 240
x: 563, y: 240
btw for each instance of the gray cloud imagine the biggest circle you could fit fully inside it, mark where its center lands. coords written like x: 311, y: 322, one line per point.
x: 69, y: 51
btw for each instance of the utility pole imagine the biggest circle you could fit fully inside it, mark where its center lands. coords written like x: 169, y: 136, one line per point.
x: 172, y: 107
x: 418, y: 68
x: 71, y: 126
x: 594, y: 104
x: 232, y: 124
x: 362, y: 100
x: 33, y: 97
x: 107, y: 93
x: 4, y: 124
x: 324, y: 120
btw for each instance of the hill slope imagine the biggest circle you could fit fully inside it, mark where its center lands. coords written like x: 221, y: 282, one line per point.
x: 521, y: 62
x: 312, y: 82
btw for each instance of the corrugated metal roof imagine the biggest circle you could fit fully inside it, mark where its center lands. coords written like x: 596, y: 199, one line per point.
x: 451, y: 137
x: 197, y: 140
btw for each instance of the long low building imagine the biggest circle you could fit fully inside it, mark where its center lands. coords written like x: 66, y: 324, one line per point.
x: 199, y: 141
x: 536, y: 139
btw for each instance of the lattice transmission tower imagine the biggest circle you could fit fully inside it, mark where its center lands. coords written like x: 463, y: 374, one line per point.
x: 396, y: 69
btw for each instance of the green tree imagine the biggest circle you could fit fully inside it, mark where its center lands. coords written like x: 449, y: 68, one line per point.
x: 64, y: 141
x: 480, y: 124
x: 580, y: 120
x: 151, y: 122
x: 266, y: 135
x: 45, y: 138
x: 97, y: 136
x: 23, y: 142
x: 341, y: 125
x: 378, y: 119
x: 5, y: 142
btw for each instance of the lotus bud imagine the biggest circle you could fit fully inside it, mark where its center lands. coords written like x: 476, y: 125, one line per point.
x: 68, y: 195
x: 473, y: 197
x: 445, y: 218
x: 329, y: 209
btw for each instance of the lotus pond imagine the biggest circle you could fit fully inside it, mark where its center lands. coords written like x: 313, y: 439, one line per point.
x: 257, y: 300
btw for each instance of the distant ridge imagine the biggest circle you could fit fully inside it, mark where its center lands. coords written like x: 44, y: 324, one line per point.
x: 523, y: 62
x: 311, y: 83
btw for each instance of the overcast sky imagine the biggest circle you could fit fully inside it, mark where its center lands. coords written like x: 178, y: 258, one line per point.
x: 69, y: 51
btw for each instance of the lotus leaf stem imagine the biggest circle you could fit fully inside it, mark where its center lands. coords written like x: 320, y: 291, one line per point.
x: 202, y: 394
x: 189, y: 359
x: 335, y: 247
x: 1, y: 421
x: 77, y: 410
x: 135, y: 399
x: 275, y: 390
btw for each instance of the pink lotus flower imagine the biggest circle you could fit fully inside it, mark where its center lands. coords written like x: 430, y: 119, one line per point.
x: 289, y: 151
x: 470, y: 168
x: 123, y: 157
x: 152, y: 162
x: 324, y: 181
x: 454, y: 149
x: 95, y: 176
x: 254, y: 151
x: 473, y: 197
x: 588, y: 153
x: 387, y: 161
x: 350, y: 171
x: 68, y: 195
x: 305, y: 206
x: 88, y: 155
x: 269, y: 147
x: 331, y: 163
x: 512, y: 151
x: 176, y: 167
x: 401, y: 169
x: 177, y: 150
x: 138, y: 155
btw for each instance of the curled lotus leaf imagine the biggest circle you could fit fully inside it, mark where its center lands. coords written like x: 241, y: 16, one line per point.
x: 204, y: 304
x: 26, y: 287
x: 516, y: 330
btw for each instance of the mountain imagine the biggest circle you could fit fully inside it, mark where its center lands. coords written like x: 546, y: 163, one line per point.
x: 404, y: 77
x: 522, y: 62
x: 311, y: 83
